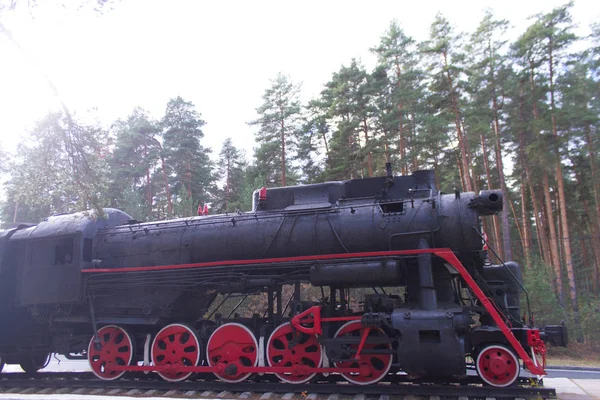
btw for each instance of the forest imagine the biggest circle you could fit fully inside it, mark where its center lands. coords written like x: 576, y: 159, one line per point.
x: 481, y: 111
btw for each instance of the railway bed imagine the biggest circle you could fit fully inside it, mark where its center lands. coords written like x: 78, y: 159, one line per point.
x: 141, y: 385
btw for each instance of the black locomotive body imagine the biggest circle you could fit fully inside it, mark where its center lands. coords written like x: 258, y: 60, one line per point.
x: 83, y: 284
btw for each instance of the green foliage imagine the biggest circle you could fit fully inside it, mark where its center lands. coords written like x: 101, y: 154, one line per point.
x: 543, y: 300
x: 188, y: 162
x: 589, y: 314
x: 183, y: 206
x: 135, y: 154
x: 398, y: 93
x: 347, y: 108
x: 132, y: 202
x: 278, y: 124
x: 231, y: 171
x: 60, y: 168
x: 547, y: 310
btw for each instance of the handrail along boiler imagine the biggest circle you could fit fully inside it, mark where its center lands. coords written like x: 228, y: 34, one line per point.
x: 404, y: 284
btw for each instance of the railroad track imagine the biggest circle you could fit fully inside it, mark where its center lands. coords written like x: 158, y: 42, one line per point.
x: 146, y: 386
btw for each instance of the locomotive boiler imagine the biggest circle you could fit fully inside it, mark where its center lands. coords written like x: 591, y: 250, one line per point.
x: 362, y: 278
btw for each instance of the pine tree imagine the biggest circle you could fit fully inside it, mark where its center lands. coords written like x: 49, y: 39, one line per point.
x: 132, y: 201
x: 187, y: 161
x: 487, y: 76
x: 591, y: 96
x: 557, y: 35
x: 136, y: 154
x: 528, y: 53
x: 397, y: 91
x: 348, y: 100
x: 278, y: 126
x: 313, y: 142
x: 579, y: 114
x: 59, y: 168
x: 231, y: 172
x: 544, y: 45
x: 446, y: 73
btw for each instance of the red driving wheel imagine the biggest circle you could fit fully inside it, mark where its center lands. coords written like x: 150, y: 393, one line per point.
x: 230, y: 347
x: 115, y: 349
x: 373, y: 367
x: 176, y: 345
x: 497, y: 366
x: 305, y: 352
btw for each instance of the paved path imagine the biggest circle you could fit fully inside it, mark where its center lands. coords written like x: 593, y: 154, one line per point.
x: 574, y: 389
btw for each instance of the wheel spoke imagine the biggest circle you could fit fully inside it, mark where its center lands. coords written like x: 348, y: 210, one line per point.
x: 232, y: 344
x: 167, y: 349
x: 373, y: 367
x: 306, y: 352
x: 116, y: 348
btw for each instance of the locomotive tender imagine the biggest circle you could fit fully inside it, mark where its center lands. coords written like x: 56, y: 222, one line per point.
x: 132, y: 296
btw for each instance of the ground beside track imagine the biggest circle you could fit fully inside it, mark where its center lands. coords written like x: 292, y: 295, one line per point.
x: 566, y: 389
x: 569, y: 384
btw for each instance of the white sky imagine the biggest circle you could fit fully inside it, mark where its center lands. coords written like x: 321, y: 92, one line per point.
x: 218, y: 54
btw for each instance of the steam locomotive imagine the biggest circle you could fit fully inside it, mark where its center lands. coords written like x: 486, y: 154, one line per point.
x: 362, y: 279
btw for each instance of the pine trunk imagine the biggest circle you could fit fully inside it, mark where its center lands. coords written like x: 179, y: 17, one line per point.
x: 548, y: 217
x: 167, y: 186
x: 565, y: 239
x: 497, y: 238
x: 461, y: 172
x: 505, y: 225
x: 165, y: 177
x: 325, y: 143
x: 16, y: 212
x: 471, y: 172
x: 227, y: 180
x: 401, y: 141
x: 499, y: 164
x: 413, y: 145
x: 370, y: 153
x: 526, y: 232
x: 593, y: 241
x: 594, y: 172
x: 515, y: 217
x: 188, y: 177
x: 401, y: 138
x: 538, y: 211
x: 148, y: 189
x: 540, y: 223
x: 351, y: 152
x: 527, y: 181
x: 386, y: 150
x: 436, y: 163
x: 562, y: 198
x: 593, y: 228
x: 585, y: 259
x: 468, y: 187
x: 282, y: 122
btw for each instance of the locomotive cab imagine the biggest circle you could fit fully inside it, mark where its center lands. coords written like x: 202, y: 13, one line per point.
x: 49, y: 257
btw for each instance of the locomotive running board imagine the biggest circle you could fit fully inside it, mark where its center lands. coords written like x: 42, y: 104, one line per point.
x: 444, y: 253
